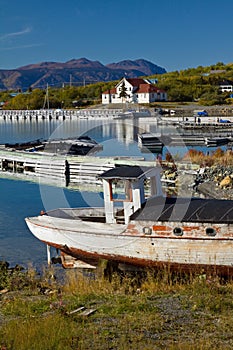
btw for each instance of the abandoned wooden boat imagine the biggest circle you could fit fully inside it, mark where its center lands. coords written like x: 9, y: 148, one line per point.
x: 139, y: 227
x: 81, y: 145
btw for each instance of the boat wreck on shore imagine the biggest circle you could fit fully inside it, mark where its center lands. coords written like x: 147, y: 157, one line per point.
x: 141, y: 228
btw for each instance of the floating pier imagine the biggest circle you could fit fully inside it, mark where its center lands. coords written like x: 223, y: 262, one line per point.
x: 150, y: 140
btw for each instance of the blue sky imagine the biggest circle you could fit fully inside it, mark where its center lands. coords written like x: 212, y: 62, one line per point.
x: 175, y: 34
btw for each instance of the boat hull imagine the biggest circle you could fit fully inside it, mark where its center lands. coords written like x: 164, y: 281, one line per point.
x: 133, y: 245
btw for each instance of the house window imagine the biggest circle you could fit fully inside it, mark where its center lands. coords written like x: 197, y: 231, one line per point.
x: 226, y: 88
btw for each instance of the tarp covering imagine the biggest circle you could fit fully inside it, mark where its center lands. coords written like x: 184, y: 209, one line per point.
x: 186, y: 210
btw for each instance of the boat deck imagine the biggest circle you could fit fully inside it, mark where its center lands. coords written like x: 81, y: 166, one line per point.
x: 160, y: 209
x: 85, y: 214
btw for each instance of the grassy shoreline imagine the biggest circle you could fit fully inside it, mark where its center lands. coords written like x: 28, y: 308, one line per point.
x: 156, y: 311
x: 152, y: 311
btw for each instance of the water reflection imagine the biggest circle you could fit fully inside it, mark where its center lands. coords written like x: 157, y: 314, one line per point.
x: 116, y: 135
x: 20, y: 199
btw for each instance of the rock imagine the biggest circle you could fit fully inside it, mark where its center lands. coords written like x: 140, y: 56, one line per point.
x: 226, y: 182
x: 171, y: 176
x: 209, y: 190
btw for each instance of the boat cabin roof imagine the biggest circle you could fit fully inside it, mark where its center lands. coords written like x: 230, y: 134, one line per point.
x: 128, y: 172
x: 185, y: 210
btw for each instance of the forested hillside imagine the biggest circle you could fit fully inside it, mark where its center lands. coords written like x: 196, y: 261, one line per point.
x: 200, y: 85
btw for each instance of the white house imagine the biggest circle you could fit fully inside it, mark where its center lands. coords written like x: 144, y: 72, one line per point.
x: 226, y: 86
x: 138, y: 91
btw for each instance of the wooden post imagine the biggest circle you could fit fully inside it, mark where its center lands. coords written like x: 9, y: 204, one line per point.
x: 48, y: 254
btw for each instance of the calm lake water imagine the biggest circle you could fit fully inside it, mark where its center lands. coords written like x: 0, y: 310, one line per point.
x: 19, y: 199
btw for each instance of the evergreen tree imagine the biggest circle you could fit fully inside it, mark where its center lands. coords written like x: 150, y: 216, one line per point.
x: 123, y: 91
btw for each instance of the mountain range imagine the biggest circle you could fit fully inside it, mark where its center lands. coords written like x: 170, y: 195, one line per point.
x: 74, y: 72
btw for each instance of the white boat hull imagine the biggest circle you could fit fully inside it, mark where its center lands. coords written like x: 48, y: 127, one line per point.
x: 90, y: 241
x: 184, y: 233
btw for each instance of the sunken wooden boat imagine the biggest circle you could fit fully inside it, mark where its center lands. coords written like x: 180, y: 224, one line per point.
x: 139, y: 227
x: 81, y: 145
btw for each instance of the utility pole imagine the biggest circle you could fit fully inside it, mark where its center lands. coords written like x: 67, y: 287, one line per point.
x: 46, y: 97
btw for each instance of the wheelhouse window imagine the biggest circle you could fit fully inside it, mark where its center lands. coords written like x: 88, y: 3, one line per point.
x: 120, y: 191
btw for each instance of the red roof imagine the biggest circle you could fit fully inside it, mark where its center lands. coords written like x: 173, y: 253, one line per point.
x: 147, y: 88
x: 140, y: 85
x: 110, y: 91
x: 136, y: 81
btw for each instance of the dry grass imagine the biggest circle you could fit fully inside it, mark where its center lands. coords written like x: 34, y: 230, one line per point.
x: 150, y: 311
x: 217, y: 157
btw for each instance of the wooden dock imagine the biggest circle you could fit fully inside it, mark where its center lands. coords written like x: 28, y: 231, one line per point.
x: 56, y: 114
x: 188, y: 140
x: 207, y: 127
x: 60, y: 170
x: 207, y: 139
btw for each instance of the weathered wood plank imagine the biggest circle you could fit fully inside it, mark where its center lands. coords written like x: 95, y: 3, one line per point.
x: 88, y: 312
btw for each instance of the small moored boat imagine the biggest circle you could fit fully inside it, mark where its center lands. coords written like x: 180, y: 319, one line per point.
x: 214, y: 141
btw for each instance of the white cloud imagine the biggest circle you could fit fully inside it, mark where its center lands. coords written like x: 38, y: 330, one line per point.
x: 15, y: 34
x: 19, y: 47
